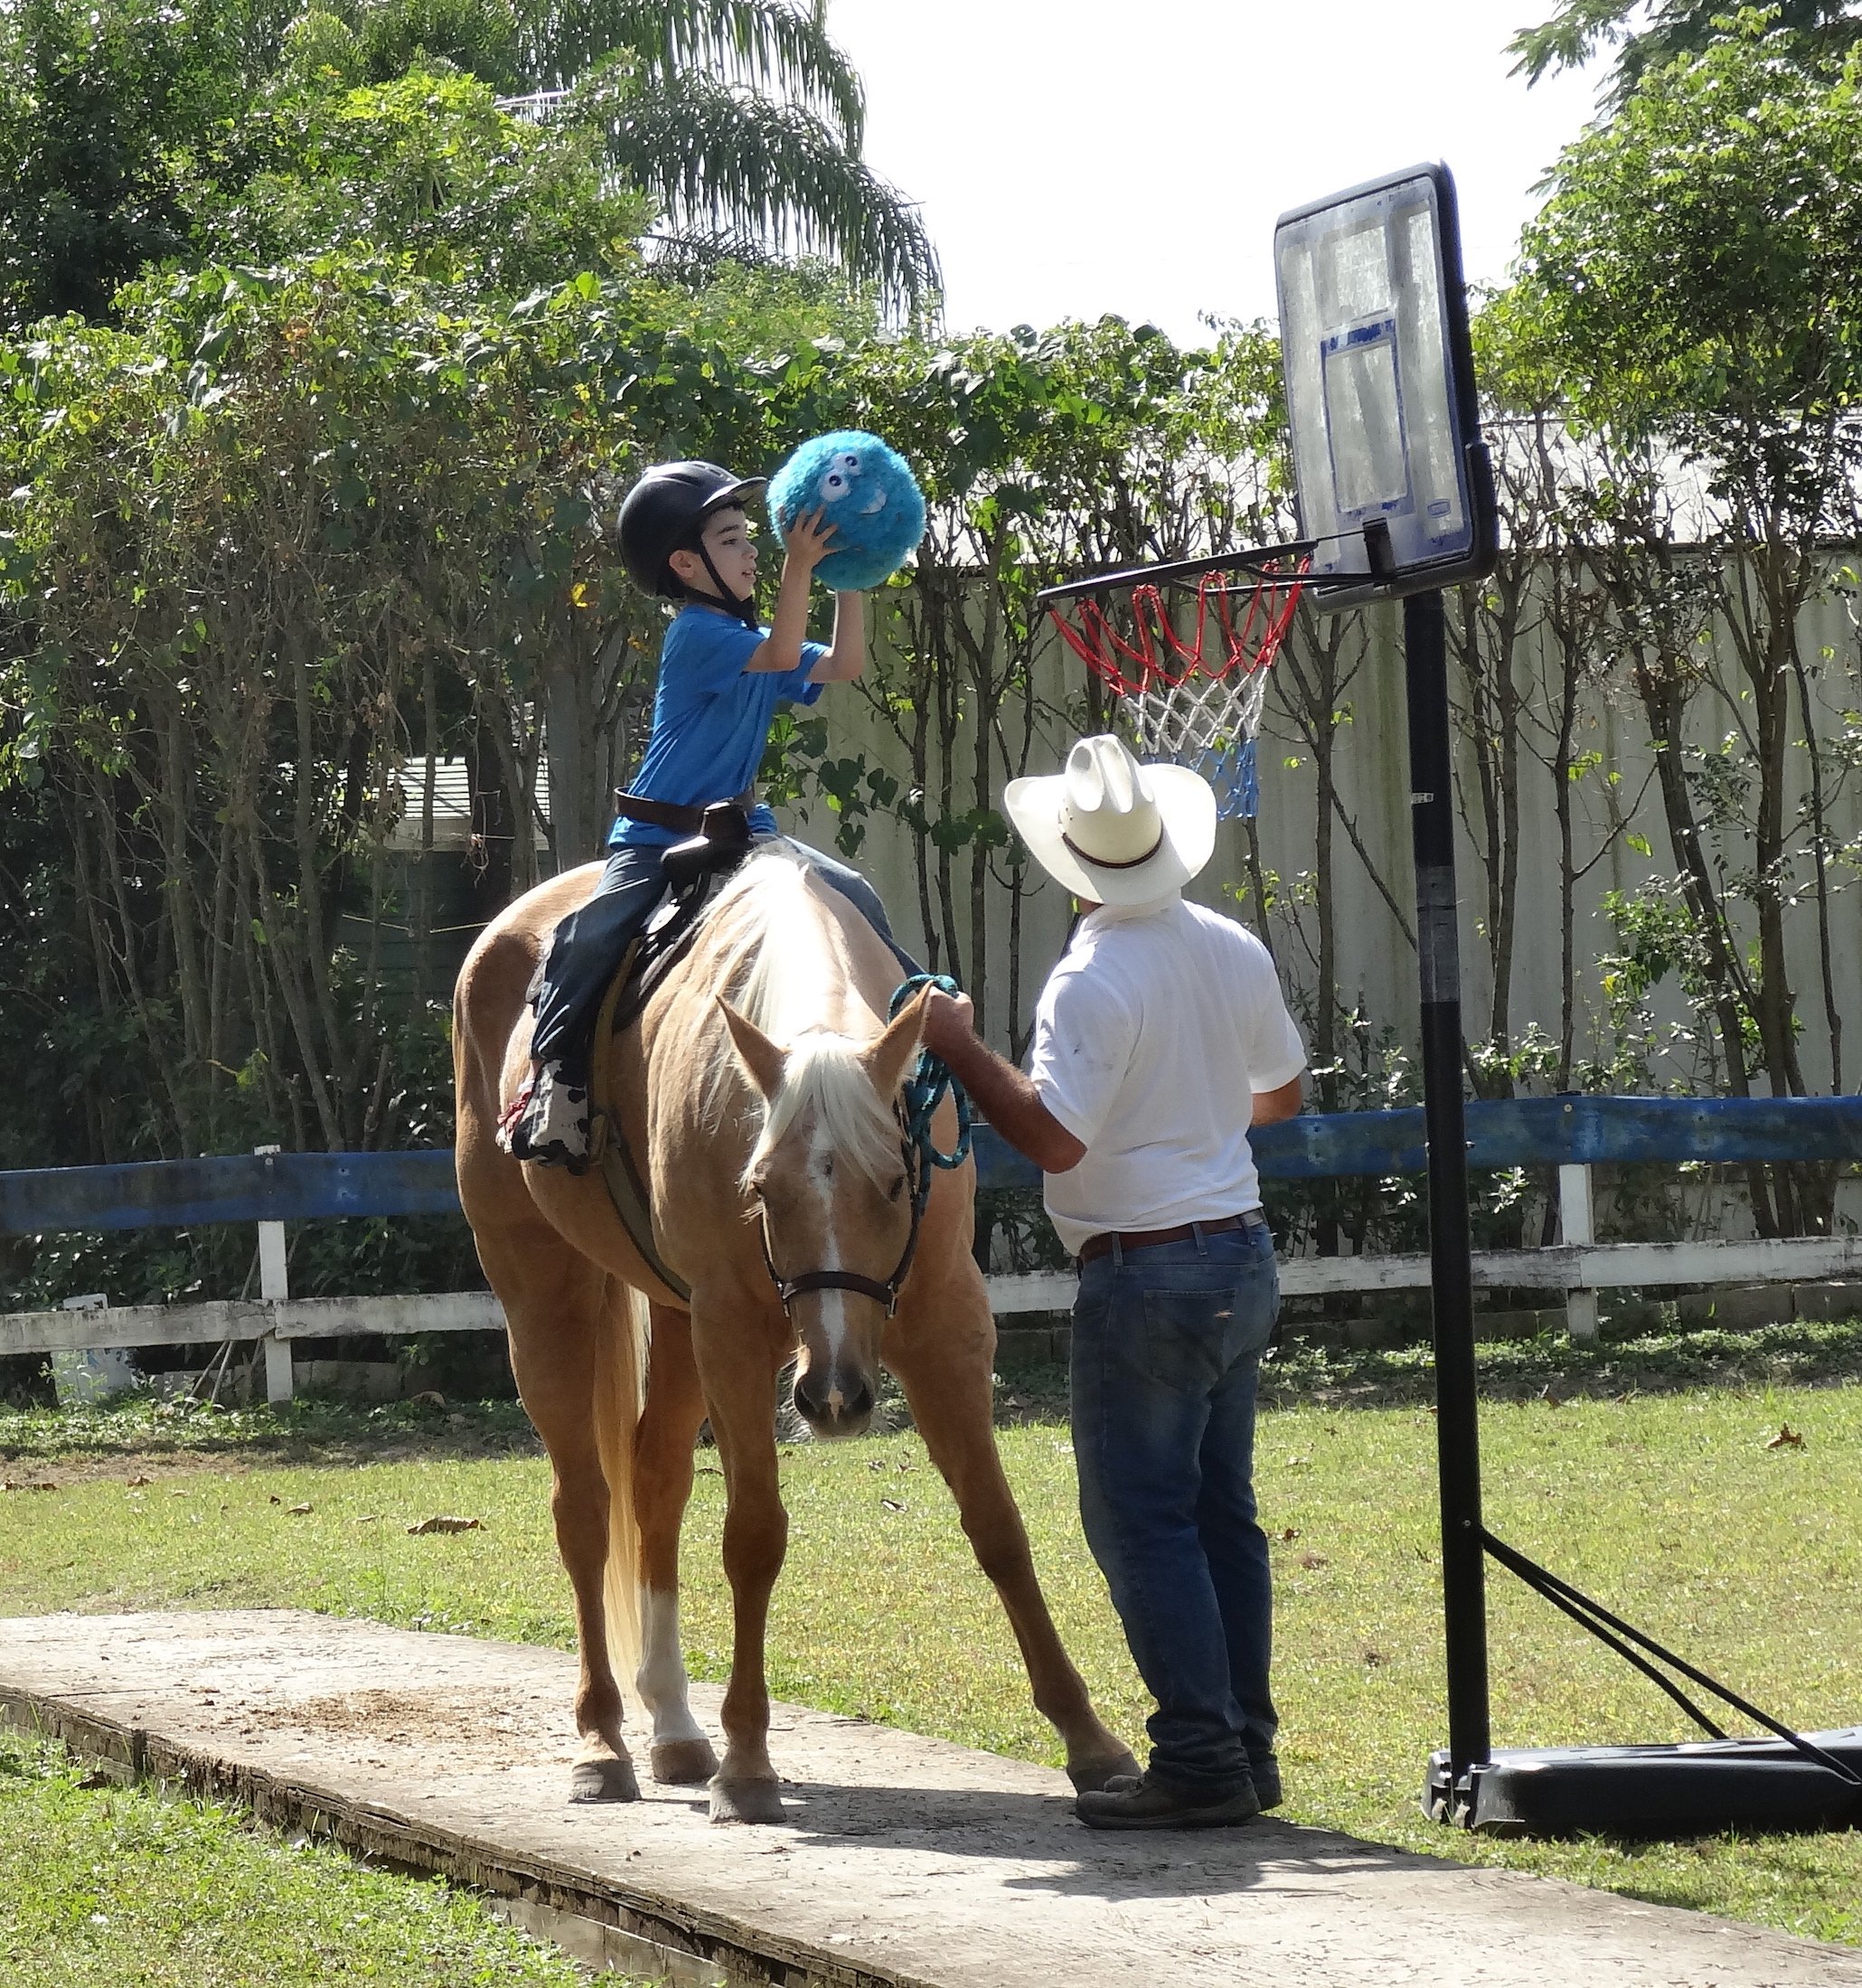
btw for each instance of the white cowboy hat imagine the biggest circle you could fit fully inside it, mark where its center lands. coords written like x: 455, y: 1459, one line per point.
x: 1113, y: 830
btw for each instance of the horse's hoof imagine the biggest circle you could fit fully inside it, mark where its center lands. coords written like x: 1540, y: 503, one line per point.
x: 745, y: 1802
x: 606, y: 1779
x: 1091, y: 1780
x: 679, y: 1763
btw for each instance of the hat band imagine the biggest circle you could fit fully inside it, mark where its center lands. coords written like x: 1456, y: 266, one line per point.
x: 1104, y: 863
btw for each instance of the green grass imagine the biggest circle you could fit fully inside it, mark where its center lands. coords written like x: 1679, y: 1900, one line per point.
x: 1668, y: 1506
x: 118, y: 1888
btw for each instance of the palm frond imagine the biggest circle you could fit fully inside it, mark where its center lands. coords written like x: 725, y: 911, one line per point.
x: 723, y: 160
x: 770, y: 44
x: 696, y: 259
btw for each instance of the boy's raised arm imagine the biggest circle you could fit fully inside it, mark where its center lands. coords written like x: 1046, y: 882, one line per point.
x: 780, y: 651
x: 847, y: 657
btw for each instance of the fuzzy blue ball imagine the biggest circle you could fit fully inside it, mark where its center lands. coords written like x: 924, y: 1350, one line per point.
x: 866, y: 491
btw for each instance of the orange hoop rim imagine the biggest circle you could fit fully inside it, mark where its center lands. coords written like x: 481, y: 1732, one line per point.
x: 1158, y: 654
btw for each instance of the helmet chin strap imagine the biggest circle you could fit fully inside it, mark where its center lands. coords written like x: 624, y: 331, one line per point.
x: 745, y: 610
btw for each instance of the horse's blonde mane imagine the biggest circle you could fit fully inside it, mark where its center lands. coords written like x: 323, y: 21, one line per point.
x: 782, y: 984
x: 824, y: 1079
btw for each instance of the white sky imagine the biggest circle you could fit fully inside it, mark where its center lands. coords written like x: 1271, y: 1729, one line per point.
x: 1076, y: 156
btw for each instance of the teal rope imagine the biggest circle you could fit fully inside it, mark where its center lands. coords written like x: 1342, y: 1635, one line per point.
x: 924, y: 1092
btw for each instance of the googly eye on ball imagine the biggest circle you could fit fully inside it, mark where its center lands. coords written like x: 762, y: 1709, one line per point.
x: 866, y: 491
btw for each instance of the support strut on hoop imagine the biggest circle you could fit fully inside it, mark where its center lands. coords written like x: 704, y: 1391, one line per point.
x: 1791, y: 1781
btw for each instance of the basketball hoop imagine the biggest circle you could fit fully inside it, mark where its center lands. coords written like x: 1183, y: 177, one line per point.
x: 1182, y: 700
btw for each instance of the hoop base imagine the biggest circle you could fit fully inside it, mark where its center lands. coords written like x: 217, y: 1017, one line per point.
x: 1665, y: 1793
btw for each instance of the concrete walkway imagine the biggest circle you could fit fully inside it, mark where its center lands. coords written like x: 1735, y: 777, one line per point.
x: 905, y: 1861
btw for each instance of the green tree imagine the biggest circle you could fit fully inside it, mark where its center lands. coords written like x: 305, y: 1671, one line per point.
x: 1646, y: 39
x: 427, y: 166
x: 1690, y: 299
x: 480, y: 36
x: 279, y: 540
x: 742, y: 119
x: 99, y: 105
x: 140, y: 132
x: 738, y: 172
x: 280, y: 531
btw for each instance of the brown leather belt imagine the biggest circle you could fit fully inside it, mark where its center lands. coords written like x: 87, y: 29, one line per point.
x: 1149, y: 1239
x: 672, y: 815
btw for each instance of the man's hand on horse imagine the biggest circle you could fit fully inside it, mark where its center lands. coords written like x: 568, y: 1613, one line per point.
x: 1000, y: 1092
x: 950, y: 1020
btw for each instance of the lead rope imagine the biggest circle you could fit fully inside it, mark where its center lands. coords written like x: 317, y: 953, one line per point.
x: 924, y: 1091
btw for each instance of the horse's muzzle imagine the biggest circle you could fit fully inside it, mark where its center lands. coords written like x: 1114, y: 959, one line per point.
x: 834, y: 1405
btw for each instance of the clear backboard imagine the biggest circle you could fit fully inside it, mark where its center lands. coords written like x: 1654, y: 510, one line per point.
x: 1393, y: 478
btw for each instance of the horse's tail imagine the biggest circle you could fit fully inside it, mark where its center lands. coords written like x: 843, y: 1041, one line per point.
x: 620, y: 1383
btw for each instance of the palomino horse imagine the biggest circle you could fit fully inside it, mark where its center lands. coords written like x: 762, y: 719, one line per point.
x: 759, y: 1092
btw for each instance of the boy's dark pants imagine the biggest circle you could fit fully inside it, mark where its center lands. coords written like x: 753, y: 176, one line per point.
x: 589, y: 945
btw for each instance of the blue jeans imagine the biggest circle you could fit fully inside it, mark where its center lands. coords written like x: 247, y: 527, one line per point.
x: 1166, y: 1345
x: 590, y: 943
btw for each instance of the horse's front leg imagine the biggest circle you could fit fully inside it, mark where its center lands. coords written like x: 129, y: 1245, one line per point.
x: 569, y: 1322
x: 739, y: 1385
x: 661, y: 1485
x: 942, y: 1348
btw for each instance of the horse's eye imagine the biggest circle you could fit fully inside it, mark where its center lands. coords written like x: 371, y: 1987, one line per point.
x: 896, y: 1189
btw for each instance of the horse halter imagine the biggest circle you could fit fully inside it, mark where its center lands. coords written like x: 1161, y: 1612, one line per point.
x: 887, y: 1294
x: 914, y: 1108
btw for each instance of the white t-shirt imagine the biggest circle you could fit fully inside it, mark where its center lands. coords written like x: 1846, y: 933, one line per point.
x: 1151, y: 1037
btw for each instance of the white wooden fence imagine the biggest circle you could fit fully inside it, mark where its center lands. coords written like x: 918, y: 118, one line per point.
x: 1576, y: 1267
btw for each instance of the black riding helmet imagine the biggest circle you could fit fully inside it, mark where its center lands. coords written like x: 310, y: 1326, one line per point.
x: 665, y: 513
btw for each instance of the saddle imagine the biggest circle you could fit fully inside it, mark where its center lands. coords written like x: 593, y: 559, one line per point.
x: 694, y: 869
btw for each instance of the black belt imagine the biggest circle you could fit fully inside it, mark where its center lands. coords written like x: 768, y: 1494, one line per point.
x: 674, y: 815
x: 1150, y: 1239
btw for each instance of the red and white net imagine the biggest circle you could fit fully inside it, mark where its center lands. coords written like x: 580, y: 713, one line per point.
x: 1190, y: 685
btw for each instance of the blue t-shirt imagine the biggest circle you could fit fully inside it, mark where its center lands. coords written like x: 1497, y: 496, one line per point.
x: 710, y: 719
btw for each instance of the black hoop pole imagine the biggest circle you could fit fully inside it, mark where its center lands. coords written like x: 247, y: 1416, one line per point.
x: 1438, y: 959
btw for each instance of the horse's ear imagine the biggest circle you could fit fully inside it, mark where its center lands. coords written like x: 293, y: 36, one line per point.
x: 759, y: 1056
x: 888, y: 1058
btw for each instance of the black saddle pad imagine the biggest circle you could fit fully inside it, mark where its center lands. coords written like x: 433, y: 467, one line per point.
x: 669, y: 930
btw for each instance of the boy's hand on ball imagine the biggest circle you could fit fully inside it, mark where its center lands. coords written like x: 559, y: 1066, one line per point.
x: 808, y: 540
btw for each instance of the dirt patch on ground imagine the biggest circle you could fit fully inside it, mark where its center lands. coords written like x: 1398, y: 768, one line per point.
x: 475, y: 1721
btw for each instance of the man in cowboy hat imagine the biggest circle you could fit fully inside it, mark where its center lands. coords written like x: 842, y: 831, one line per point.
x: 1160, y: 1037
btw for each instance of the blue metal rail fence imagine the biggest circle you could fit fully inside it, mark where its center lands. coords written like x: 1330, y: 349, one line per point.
x: 1580, y: 1130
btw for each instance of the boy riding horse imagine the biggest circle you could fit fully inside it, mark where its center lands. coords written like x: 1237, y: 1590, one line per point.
x: 685, y: 537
